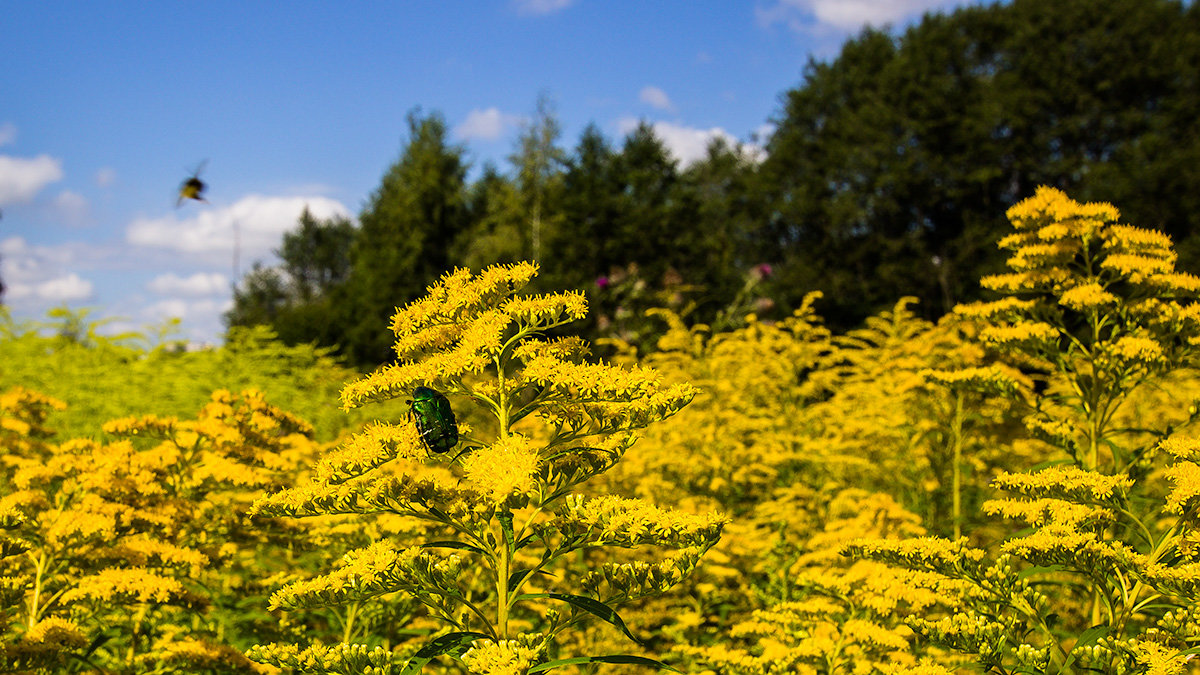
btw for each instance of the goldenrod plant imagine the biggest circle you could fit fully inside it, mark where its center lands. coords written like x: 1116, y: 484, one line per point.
x: 1104, y: 577
x: 505, y: 505
x: 129, y: 544
x: 837, y: 618
x: 23, y: 436
x: 799, y: 436
x: 734, y: 448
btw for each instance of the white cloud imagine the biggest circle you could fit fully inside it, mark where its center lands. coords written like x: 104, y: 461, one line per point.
x: 70, y: 208
x: 22, y: 263
x: 256, y: 222
x: 8, y: 133
x: 655, y: 97
x: 844, y: 15
x: 21, y: 179
x: 762, y: 133
x: 540, y: 7
x: 197, y: 285
x: 689, y: 144
x: 60, y: 289
x: 106, y: 176
x: 200, y: 319
x: 486, y: 125
x: 37, y: 277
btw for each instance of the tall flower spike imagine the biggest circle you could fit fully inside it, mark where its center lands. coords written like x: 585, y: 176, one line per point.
x: 504, y: 503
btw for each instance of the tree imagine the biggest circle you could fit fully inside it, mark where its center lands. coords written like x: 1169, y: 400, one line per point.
x: 407, y: 229
x: 889, y: 163
x: 259, y: 298
x: 300, y: 299
x: 590, y: 207
x: 647, y: 230
x: 538, y: 161
x: 498, y: 229
x: 316, y: 256
x: 724, y: 218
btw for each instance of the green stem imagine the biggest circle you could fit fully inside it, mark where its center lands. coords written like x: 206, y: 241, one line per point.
x: 348, y: 624
x: 39, y: 567
x: 503, y: 570
x: 956, y: 431
x: 1168, y: 540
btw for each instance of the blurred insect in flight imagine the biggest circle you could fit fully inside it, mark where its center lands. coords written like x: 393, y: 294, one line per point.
x: 193, y: 187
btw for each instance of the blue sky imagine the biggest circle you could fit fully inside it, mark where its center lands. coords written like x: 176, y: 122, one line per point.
x: 105, y: 106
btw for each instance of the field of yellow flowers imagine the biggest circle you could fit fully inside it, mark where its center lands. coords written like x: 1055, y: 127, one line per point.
x: 1015, y: 489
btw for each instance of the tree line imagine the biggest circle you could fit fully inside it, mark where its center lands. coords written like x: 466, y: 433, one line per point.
x: 887, y: 174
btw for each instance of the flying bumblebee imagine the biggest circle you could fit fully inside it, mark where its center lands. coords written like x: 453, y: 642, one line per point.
x: 193, y: 187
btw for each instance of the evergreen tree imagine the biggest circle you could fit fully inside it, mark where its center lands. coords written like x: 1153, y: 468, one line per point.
x: 717, y: 192
x: 498, y: 229
x: 406, y: 233
x: 591, y: 193
x: 316, y: 256
x: 259, y: 298
x: 648, y: 230
x: 300, y: 298
x: 890, y: 162
x: 538, y: 162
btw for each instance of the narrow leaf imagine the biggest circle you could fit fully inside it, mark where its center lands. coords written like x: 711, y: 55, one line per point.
x: 1086, y: 639
x: 454, y: 544
x: 520, y: 575
x: 615, y: 658
x: 440, y: 645
x: 591, y: 606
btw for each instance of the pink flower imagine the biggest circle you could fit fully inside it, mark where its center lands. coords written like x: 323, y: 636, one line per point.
x: 761, y: 271
x: 602, y: 282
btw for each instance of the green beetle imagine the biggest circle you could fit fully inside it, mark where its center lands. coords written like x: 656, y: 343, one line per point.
x: 434, y: 419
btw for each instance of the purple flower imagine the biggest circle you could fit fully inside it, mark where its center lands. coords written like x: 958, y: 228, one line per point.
x: 761, y: 271
x: 602, y: 282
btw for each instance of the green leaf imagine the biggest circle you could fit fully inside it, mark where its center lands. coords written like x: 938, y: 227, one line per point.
x: 592, y: 607
x: 96, y: 644
x: 1030, y: 571
x: 1086, y: 639
x: 454, y: 544
x: 444, y: 644
x: 520, y: 575
x: 615, y: 658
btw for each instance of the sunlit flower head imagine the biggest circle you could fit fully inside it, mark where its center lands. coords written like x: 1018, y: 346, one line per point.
x: 502, y: 469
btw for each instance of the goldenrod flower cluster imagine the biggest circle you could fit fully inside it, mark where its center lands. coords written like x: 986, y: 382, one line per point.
x: 344, y: 659
x: 366, y: 573
x: 1093, y: 309
x: 506, y: 505
x: 1090, y: 297
x: 505, y: 657
x: 136, y: 531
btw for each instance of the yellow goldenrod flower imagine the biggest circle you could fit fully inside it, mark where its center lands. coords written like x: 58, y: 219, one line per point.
x: 1185, y: 492
x: 502, y: 469
x: 505, y: 657
x: 1086, y: 297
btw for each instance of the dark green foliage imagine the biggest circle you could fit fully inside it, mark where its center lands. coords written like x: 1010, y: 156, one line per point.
x: 434, y: 418
x: 405, y: 236
x: 892, y: 165
x: 316, y: 256
x: 890, y: 168
x: 300, y: 299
